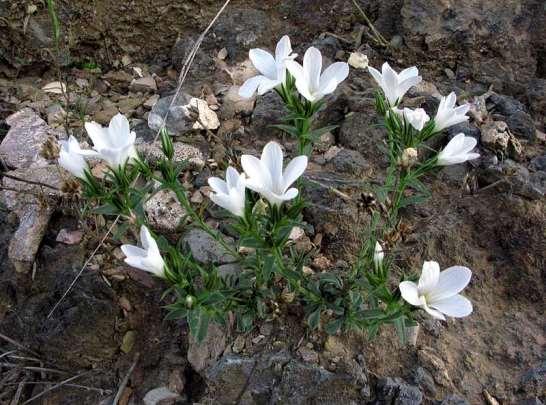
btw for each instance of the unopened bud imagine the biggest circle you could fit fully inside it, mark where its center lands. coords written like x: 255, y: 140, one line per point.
x: 50, y: 149
x: 409, y: 158
x: 378, y: 255
x: 260, y: 208
x: 189, y: 301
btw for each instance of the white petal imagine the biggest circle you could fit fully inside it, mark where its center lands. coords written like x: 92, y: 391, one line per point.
x: 312, y: 66
x: 283, y: 49
x: 429, y: 277
x: 232, y: 176
x: 146, y: 238
x: 405, y: 85
x: 408, y: 73
x: 218, y: 185
x: 332, y: 76
x: 451, y: 281
x: 136, y: 262
x: 264, y: 62
x: 454, y: 146
x: 119, y: 130
x: 255, y: 171
x: 133, y: 251
x: 293, y: 170
x: 409, y: 291
x: 434, y: 313
x: 97, y: 135
x: 272, y: 159
x: 223, y: 200
x: 469, y: 144
x: 390, y: 84
x: 302, y: 84
x: 376, y: 75
x: 267, y: 84
x: 456, y: 306
x: 451, y: 99
x: 250, y: 86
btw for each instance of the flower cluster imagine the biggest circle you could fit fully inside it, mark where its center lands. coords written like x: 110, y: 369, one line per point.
x: 266, y: 201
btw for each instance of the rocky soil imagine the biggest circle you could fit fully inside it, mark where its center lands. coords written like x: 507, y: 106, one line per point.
x: 488, y: 215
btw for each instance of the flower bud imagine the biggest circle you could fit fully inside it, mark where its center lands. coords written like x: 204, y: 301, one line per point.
x: 409, y: 158
x: 189, y: 301
x: 378, y: 255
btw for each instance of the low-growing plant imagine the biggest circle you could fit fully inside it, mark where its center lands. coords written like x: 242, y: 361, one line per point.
x: 265, y: 204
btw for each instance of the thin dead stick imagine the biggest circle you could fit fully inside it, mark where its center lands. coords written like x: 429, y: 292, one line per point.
x: 125, y: 380
x: 55, y: 387
x: 102, y: 391
x: 31, y: 368
x: 36, y: 183
x: 181, y: 79
x: 17, y: 344
x: 378, y: 37
x: 84, y: 266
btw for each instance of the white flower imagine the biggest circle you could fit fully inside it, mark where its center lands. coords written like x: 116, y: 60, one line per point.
x: 273, y: 70
x: 266, y: 177
x: 70, y: 157
x: 416, y: 118
x: 438, y: 292
x: 395, y: 85
x: 147, y: 258
x: 115, y: 144
x: 310, y: 83
x: 458, y: 150
x: 448, y: 115
x: 229, y: 194
x: 378, y: 255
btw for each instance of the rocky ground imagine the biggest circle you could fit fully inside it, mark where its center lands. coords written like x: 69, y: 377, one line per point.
x: 488, y: 215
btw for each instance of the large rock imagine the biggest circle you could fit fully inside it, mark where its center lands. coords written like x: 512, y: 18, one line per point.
x: 185, y: 114
x: 362, y: 131
x: 33, y: 205
x: 202, y: 355
x: 164, y: 211
x: 269, y: 110
x: 397, y: 391
x: 515, y: 114
x: 192, y: 156
x: 493, y: 42
x: 277, y: 378
x: 205, y: 249
x: 22, y: 144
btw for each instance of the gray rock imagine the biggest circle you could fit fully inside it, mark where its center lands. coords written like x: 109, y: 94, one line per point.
x: 466, y: 128
x: 396, y: 391
x: 229, y: 270
x: 538, y: 163
x: 143, y: 84
x: 277, y: 378
x: 205, y: 249
x: 182, y: 153
x: 185, y: 114
x: 157, y: 395
x: 454, y: 399
x: 269, y: 110
x: 233, y: 104
x: 445, y: 34
x: 361, y: 131
x: 204, y: 354
x: 34, y: 206
x: 513, y: 177
x: 531, y: 401
x: 533, y: 381
x: 21, y: 146
x: 241, y: 28
x: 328, y: 46
x: 164, y: 212
x: 350, y: 161
x: 536, y: 94
x: 515, y: 114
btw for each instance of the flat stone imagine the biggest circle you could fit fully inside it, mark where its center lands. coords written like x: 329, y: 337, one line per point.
x: 204, y: 354
x: 205, y: 249
x: 182, y: 152
x: 234, y: 104
x: 143, y: 84
x: 21, y: 146
x: 185, y: 114
x: 157, y: 395
x: 164, y: 211
x: 32, y: 205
